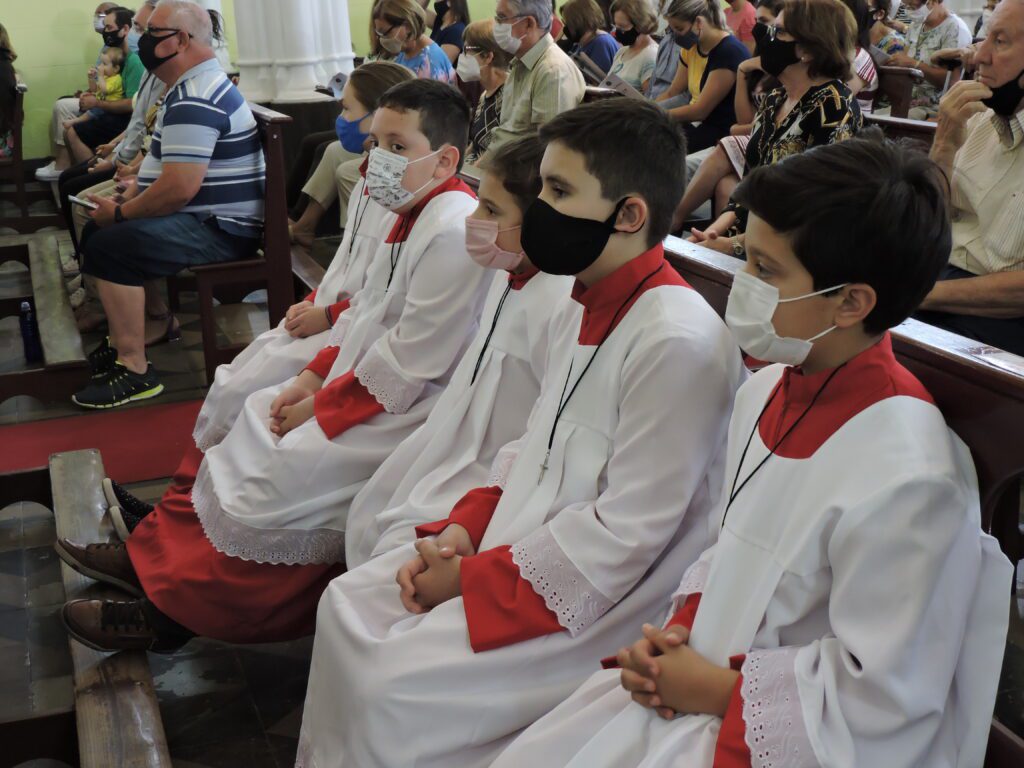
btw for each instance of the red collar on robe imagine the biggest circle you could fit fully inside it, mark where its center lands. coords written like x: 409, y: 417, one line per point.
x: 517, y: 281
x: 405, y: 222
x: 362, y: 169
x: 602, y: 300
x: 870, y: 377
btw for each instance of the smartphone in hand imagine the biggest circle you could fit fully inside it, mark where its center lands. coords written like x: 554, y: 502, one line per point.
x: 84, y: 203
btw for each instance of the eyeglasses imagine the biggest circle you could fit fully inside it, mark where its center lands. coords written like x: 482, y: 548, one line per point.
x: 385, y: 33
x: 155, y: 30
x: 506, y: 19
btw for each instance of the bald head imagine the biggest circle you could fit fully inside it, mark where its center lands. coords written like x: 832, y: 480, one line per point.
x: 103, y: 8
x: 188, y: 17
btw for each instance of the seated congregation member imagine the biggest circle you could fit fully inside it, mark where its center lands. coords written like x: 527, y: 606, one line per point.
x: 400, y: 25
x: 809, y: 51
x: 483, y: 61
x: 584, y: 29
x: 933, y: 28
x: 883, y: 37
x: 851, y: 547
x: 108, y: 118
x: 978, y: 143
x: 591, y: 514
x: 451, y: 17
x: 863, y: 82
x: 666, y: 64
x: 105, y: 83
x: 8, y: 93
x: 741, y: 16
x: 634, y: 24
x: 486, y: 404
x: 247, y: 536
x: 708, y: 62
x: 198, y: 199
x: 68, y: 108
x: 542, y: 81
x: 339, y: 167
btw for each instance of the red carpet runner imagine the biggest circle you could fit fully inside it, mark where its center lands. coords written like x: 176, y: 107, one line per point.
x: 136, y: 444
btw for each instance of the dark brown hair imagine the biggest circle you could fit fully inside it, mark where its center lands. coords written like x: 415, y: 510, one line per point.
x: 517, y: 165
x: 827, y: 32
x: 372, y: 80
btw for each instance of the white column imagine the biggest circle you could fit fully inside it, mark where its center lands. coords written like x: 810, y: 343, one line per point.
x: 220, y: 48
x: 255, y: 58
x: 335, y: 38
x: 296, y: 49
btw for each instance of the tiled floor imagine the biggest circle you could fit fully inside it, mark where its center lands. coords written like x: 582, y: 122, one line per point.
x: 222, y: 706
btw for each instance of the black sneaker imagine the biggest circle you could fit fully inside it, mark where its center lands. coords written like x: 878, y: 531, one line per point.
x: 102, y: 359
x: 126, y: 511
x: 119, y: 387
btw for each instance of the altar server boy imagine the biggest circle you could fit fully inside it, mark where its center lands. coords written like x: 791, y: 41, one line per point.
x: 852, y: 612
x: 604, y: 504
x: 489, y: 398
x: 243, y: 553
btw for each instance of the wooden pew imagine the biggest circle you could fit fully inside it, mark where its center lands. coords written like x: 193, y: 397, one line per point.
x: 271, y: 269
x: 64, y: 368
x: 920, y: 132
x: 983, y: 404
x: 12, y: 171
x: 598, y: 93
x: 896, y: 83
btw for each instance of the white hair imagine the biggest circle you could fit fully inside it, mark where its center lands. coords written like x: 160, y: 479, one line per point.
x: 192, y: 18
x: 539, y: 9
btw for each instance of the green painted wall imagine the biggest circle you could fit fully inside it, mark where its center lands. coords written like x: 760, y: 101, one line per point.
x: 56, y: 46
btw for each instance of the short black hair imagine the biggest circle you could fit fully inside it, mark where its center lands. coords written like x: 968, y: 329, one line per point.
x: 517, y: 164
x: 443, y: 111
x: 632, y: 148
x: 865, y: 210
x: 122, y: 16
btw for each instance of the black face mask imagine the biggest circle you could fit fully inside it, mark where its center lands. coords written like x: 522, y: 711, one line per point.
x: 560, y: 244
x: 777, y: 54
x: 626, y: 37
x: 147, y: 51
x: 687, y: 40
x: 441, y: 8
x: 113, y: 39
x: 1006, y: 98
x: 570, y: 35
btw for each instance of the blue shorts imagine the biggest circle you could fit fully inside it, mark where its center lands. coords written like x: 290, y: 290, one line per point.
x: 137, y: 250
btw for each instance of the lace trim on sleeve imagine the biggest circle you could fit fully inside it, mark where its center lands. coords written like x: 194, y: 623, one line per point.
x: 391, y: 390
x: 338, y: 331
x: 272, y: 545
x: 567, y: 593
x: 775, y: 729
x: 694, y: 580
x: 501, y: 467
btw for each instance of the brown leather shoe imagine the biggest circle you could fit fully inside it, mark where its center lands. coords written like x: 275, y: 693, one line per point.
x: 111, y: 625
x: 108, y: 563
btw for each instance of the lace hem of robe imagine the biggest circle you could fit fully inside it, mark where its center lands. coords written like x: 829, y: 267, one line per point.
x: 775, y: 729
x: 389, y: 388
x: 501, y: 467
x: 566, y: 591
x: 695, y: 579
x: 274, y: 546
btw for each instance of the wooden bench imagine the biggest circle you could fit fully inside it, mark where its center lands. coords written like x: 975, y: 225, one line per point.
x: 594, y: 93
x: 65, y: 368
x: 12, y: 171
x: 231, y: 281
x: 983, y: 404
x: 897, y: 84
x: 920, y: 132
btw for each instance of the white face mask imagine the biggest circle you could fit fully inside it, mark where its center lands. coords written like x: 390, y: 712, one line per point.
x: 98, y: 22
x: 505, y: 39
x: 749, y: 313
x: 391, y: 45
x: 468, y: 68
x: 918, y: 15
x: 384, y: 173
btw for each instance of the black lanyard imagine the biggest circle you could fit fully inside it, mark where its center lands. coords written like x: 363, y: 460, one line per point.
x: 487, y: 341
x: 563, y: 401
x: 360, y: 212
x: 771, y: 451
x: 396, y: 247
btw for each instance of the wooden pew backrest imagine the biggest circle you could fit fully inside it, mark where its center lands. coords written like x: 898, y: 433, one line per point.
x: 921, y: 132
x: 896, y: 83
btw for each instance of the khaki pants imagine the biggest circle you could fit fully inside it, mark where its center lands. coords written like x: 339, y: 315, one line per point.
x: 334, y: 178
x: 63, y: 110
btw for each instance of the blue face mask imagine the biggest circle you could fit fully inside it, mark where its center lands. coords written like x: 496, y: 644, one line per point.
x: 133, y: 40
x: 351, y: 138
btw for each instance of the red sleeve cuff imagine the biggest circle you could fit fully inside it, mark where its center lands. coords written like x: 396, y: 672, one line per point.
x: 334, y: 311
x: 343, y: 404
x: 312, y: 296
x: 323, y: 362
x: 473, y: 512
x: 731, y: 750
x: 501, y: 606
x: 684, y: 617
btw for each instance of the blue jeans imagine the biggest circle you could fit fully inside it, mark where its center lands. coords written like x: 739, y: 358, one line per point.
x: 134, y: 251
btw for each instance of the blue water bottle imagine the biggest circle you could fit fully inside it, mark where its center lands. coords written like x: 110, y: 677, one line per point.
x: 30, y: 334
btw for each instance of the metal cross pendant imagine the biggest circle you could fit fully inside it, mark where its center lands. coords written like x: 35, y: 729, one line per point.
x: 544, y: 467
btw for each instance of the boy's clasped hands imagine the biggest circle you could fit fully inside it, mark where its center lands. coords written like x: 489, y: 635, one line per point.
x: 433, y: 576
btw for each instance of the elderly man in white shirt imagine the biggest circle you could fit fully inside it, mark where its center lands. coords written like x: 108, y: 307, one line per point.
x: 979, y: 144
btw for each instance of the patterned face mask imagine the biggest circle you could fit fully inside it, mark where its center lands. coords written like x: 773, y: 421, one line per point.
x: 384, y: 174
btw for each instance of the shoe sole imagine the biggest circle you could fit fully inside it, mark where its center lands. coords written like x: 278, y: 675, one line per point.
x: 72, y: 632
x: 119, y: 524
x: 146, y: 395
x: 104, y: 578
x: 109, y: 495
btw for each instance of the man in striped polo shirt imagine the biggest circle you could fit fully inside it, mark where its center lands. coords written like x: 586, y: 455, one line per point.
x: 198, y: 198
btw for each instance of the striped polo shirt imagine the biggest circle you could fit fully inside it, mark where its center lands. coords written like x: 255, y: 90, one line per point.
x: 204, y: 119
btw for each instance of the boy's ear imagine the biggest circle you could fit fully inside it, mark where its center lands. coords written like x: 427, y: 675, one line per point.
x: 859, y: 300
x: 447, y: 163
x: 632, y: 216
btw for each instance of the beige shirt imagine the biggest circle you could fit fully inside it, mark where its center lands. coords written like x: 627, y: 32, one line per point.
x: 544, y: 82
x: 988, y: 196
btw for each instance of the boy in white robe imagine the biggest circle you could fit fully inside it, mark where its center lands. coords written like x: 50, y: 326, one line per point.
x: 489, y: 398
x: 852, y: 612
x: 604, y: 501
x: 243, y: 553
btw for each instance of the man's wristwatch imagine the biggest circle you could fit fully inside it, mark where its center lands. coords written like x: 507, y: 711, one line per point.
x: 118, y: 215
x: 737, y: 249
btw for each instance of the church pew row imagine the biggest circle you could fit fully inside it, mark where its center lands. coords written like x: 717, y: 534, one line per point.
x: 983, y: 403
x: 920, y: 132
x: 64, y: 368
